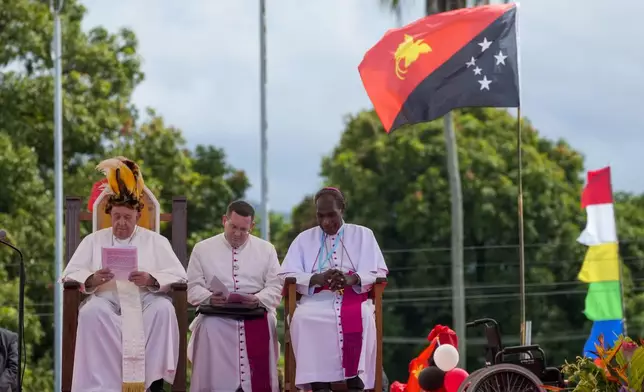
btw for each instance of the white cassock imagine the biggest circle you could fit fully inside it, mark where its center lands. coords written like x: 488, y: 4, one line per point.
x: 122, y: 342
x: 333, y: 334
x: 227, y: 354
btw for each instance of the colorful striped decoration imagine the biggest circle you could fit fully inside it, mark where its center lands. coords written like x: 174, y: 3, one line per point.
x: 601, y: 264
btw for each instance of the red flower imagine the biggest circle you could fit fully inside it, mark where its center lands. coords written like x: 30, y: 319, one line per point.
x: 397, y: 387
x: 628, y: 348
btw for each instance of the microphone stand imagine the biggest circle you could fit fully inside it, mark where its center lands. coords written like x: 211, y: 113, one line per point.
x: 21, y: 311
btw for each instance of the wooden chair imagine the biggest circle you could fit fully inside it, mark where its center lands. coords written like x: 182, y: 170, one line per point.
x: 72, y: 297
x: 290, y: 303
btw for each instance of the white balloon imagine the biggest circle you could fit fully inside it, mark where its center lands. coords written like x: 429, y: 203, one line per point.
x: 446, y: 357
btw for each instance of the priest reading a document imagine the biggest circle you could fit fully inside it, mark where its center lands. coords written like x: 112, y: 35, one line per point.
x: 128, y: 337
x: 234, y: 271
x: 333, y: 329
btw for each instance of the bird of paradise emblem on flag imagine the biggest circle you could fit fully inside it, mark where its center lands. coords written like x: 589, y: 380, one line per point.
x: 407, y: 53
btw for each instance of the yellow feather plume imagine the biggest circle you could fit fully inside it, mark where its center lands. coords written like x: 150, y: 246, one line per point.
x: 108, y: 168
x: 126, y: 175
x: 140, y: 186
x: 120, y: 178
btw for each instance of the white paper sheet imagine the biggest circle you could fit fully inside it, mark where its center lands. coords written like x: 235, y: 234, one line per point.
x: 217, y: 286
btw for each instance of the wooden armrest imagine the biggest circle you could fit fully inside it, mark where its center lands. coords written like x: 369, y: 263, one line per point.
x: 71, y: 285
x: 179, y: 286
x: 291, y: 280
x: 378, y: 286
x: 76, y: 286
x: 179, y: 294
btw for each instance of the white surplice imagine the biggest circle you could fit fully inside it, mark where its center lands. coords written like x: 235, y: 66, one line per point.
x: 316, y: 333
x: 217, y: 346
x: 105, y: 357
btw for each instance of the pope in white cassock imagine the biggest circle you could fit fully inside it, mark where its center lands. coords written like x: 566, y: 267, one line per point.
x: 231, y: 355
x: 128, y: 337
x: 333, y: 329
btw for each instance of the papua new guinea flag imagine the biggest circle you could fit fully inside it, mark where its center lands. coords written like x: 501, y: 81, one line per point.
x: 462, y: 58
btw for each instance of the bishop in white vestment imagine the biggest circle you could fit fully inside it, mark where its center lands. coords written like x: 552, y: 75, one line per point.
x: 229, y: 355
x: 127, y: 336
x: 333, y: 329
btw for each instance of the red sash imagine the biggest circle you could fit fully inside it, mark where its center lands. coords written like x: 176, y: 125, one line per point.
x: 351, y: 323
x: 258, y: 344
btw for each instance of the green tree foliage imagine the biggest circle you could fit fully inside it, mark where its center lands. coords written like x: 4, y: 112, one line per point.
x: 396, y: 185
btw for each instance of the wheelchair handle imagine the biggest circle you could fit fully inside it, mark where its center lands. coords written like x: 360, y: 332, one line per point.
x: 482, y: 321
x: 520, y: 350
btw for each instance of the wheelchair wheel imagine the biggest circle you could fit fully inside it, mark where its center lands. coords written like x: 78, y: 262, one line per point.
x: 465, y: 386
x: 505, y: 377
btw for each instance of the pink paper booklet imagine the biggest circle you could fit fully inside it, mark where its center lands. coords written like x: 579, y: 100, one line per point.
x: 121, y: 260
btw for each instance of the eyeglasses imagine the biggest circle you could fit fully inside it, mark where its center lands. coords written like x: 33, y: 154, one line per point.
x: 240, y: 230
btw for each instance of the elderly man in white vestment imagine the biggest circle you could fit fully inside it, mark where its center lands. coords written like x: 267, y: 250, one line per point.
x: 128, y: 337
x: 230, y: 354
x: 333, y: 329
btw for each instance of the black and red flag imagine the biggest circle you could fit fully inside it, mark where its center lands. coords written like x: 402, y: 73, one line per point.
x: 462, y: 58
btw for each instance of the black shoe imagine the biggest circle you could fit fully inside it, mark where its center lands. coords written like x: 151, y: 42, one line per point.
x: 157, y: 386
x: 320, y: 387
x: 355, y: 384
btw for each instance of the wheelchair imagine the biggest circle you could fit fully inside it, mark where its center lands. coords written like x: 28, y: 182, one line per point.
x: 510, y: 369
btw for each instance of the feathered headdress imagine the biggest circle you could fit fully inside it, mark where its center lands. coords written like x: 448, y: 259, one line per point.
x: 123, y: 183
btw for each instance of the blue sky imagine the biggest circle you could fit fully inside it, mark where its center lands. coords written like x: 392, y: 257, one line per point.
x: 581, y: 72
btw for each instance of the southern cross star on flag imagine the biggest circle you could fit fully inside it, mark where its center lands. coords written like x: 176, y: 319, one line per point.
x: 462, y: 58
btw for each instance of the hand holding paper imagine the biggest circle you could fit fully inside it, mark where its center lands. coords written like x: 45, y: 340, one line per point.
x: 217, y: 286
x: 141, y: 279
x: 217, y: 299
x: 240, y: 298
x: 222, y: 295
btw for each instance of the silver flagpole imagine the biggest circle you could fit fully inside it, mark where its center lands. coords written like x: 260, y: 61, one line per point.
x: 265, y: 224
x: 58, y: 192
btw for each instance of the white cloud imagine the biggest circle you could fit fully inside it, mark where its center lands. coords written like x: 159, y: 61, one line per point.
x: 580, y: 76
x: 581, y: 79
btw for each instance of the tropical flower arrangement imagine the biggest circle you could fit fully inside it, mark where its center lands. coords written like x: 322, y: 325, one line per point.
x: 616, y: 369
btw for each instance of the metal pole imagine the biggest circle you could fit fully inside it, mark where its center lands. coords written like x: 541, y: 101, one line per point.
x: 456, y: 197
x: 621, y: 284
x: 265, y: 223
x: 528, y: 332
x: 621, y: 288
x: 521, y: 234
x: 58, y: 193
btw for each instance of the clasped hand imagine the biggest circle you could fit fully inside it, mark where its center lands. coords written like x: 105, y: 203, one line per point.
x: 337, y: 280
